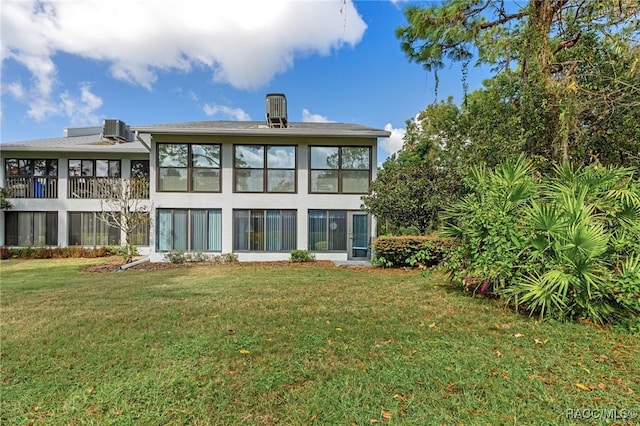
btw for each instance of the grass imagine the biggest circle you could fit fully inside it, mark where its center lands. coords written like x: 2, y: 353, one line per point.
x: 291, y: 344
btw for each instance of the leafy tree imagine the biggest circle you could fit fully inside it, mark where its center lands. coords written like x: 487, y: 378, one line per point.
x: 543, y: 52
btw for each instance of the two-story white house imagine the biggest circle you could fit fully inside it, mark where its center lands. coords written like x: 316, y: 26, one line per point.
x: 256, y: 189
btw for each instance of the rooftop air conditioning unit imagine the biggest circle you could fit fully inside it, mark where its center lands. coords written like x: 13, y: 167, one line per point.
x: 115, y: 130
x: 276, y: 110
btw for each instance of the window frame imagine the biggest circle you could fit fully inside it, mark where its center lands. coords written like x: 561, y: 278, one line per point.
x: 339, y: 169
x: 266, y: 168
x: 96, y: 220
x: 49, y: 165
x: 190, y: 236
x: 189, y: 168
x: 264, y: 230
x: 327, y: 230
x: 50, y: 235
x: 94, y: 169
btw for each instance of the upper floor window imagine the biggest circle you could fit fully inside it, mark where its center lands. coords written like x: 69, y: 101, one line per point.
x: 265, y: 168
x: 140, y: 169
x: 335, y: 169
x: 94, y: 168
x: 188, y: 167
x: 31, y: 178
x: 23, y: 167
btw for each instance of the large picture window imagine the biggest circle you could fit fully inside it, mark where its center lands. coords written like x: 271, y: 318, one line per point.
x: 189, y: 230
x: 31, y: 229
x: 336, y: 169
x: 264, y: 230
x: 86, y: 229
x: 188, y: 167
x: 327, y: 230
x: 94, y: 168
x: 265, y: 168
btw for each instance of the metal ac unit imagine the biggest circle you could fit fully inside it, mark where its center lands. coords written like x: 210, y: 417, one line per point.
x: 276, y: 110
x: 115, y: 129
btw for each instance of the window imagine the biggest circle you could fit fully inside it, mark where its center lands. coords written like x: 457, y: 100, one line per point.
x: 86, y: 229
x: 344, y: 169
x: 189, y: 230
x: 265, y: 168
x: 94, y: 168
x: 140, y: 169
x: 264, y: 230
x: 327, y: 230
x: 31, y: 168
x: 31, y: 178
x: 31, y: 229
x: 189, y: 167
x: 140, y: 233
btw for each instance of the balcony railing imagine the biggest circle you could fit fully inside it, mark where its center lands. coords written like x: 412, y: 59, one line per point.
x: 32, y: 187
x: 102, y: 187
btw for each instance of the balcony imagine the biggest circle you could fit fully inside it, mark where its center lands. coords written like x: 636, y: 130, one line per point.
x: 32, y: 187
x: 104, y: 188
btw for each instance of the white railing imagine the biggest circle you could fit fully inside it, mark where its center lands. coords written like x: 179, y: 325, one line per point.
x: 32, y: 187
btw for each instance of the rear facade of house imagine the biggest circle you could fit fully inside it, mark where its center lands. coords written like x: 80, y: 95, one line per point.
x: 255, y: 189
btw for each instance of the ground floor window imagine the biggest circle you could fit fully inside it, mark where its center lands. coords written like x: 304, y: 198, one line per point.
x: 140, y: 233
x: 86, y: 229
x: 328, y: 230
x: 264, y: 230
x: 31, y: 229
x: 189, y: 230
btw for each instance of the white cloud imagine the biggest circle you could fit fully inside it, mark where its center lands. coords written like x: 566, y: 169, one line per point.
x: 81, y: 109
x: 16, y: 89
x: 223, y: 111
x: 308, y: 117
x: 393, y: 143
x: 244, y: 43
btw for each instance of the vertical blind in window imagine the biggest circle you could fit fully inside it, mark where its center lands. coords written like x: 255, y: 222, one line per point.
x: 31, y: 229
x: 264, y: 230
x: 189, y: 230
x: 328, y: 230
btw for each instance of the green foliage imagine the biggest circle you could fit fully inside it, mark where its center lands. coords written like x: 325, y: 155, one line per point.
x: 408, y: 251
x: 179, y: 257
x: 4, y: 203
x: 302, y: 256
x: 565, y: 87
x: 176, y: 257
x: 487, y: 227
x: 125, y: 252
x: 224, y: 258
x: 565, y: 247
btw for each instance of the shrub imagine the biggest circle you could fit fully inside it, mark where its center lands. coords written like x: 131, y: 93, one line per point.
x: 561, y: 248
x: 54, y: 252
x: 227, y: 258
x: 176, y: 257
x: 302, y: 256
x: 409, y: 250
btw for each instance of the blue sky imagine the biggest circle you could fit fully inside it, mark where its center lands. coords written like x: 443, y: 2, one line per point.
x: 69, y: 63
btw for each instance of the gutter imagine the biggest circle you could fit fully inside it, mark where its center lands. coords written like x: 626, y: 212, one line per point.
x: 134, y: 263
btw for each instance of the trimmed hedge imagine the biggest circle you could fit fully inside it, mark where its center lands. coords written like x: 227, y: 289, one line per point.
x: 56, y: 252
x: 418, y: 250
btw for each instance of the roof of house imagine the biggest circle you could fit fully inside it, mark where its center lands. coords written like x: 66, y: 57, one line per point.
x: 96, y: 143
x: 260, y: 128
x: 87, y: 143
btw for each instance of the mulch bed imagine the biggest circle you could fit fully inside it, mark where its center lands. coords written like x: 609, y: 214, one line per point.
x: 113, y: 266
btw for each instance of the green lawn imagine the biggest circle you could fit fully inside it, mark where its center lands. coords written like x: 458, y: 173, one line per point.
x: 293, y: 345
